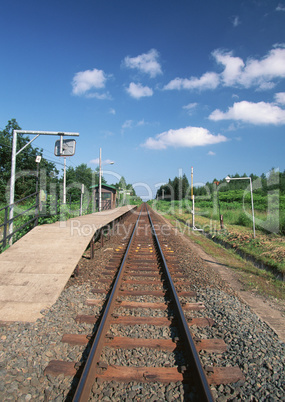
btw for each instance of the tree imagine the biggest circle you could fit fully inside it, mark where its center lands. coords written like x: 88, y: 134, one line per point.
x: 25, y: 184
x: 122, y: 185
x: 185, y: 187
x: 79, y: 175
x: 176, y: 189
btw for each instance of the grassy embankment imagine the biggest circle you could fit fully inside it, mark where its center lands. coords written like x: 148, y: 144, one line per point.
x: 266, y: 248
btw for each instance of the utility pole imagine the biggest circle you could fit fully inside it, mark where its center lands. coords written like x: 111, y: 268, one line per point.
x: 192, y: 183
x: 100, y: 181
x: 64, y: 180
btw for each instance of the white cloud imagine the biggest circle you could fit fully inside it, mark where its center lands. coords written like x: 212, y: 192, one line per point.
x: 190, y: 107
x: 260, y: 73
x: 98, y: 95
x: 280, y: 98
x: 127, y: 124
x: 249, y: 112
x: 254, y: 72
x: 112, y: 111
x: 105, y: 162
x: 270, y: 67
x: 211, y: 153
x: 280, y: 7
x: 138, y: 91
x: 184, y: 137
x: 84, y: 81
x: 235, y: 21
x: 233, y: 127
x: 233, y: 66
x: 276, y: 45
x: 207, y: 81
x: 146, y: 63
x: 264, y: 86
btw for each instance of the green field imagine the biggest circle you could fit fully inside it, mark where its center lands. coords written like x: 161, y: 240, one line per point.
x: 268, y: 247
x: 235, y: 207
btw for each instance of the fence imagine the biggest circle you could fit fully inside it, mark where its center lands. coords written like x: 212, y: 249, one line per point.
x: 53, y: 210
x: 35, y: 206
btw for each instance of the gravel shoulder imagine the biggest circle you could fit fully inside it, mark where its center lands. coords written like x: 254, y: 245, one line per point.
x: 27, y: 348
x: 270, y: 311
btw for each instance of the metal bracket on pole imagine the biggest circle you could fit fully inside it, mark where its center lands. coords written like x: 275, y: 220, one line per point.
x: 61, y: 144
x: 20, y: 150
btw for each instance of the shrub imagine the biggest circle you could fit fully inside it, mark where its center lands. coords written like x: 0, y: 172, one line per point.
x: 243, y: 219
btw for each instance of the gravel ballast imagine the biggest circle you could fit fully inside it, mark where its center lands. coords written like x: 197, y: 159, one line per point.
x: 27, y: 348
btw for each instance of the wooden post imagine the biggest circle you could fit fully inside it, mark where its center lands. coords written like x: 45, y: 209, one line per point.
x: 92, y: 244
x: 221, y: 221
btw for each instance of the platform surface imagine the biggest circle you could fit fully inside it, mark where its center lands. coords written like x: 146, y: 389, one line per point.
x: 35, y: 270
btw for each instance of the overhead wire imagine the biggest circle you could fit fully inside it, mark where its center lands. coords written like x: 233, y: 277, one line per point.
x: 26, y: 152
x: 56, y: 162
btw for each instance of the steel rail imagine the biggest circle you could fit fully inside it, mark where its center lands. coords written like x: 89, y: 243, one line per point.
x: 91, y: 366
x: 202, y: 383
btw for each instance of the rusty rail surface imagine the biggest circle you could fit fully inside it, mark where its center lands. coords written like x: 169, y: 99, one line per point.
x: 91, y: 366
x: 146, y: 255
x: 196, y: 366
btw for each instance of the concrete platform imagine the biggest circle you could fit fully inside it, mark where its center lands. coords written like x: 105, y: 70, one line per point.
x: 35, y: 270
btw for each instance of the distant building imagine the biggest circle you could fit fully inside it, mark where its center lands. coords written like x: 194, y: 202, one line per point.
x: 108, y: 196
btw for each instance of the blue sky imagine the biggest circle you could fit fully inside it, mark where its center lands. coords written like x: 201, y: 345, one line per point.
x: 159, y: 85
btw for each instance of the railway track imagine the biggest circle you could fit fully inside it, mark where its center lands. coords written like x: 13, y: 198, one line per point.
x: 146, y: 289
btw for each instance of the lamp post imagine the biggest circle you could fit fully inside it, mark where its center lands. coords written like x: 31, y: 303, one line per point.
x: 13, y: 165
x: 100, y: 184
x: 100, y: 178
x: 228, y: 179
x: 38, y: 160
x: 64, y: 180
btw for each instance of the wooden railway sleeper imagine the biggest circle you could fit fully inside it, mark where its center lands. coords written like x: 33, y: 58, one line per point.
x: 213, y: 375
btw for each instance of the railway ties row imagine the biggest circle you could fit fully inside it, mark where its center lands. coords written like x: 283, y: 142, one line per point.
x: 143, y: 299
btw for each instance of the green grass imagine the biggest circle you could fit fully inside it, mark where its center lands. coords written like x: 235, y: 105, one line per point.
x: 252, y: 278
x: 268, y: 218
x: 267, y: 248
